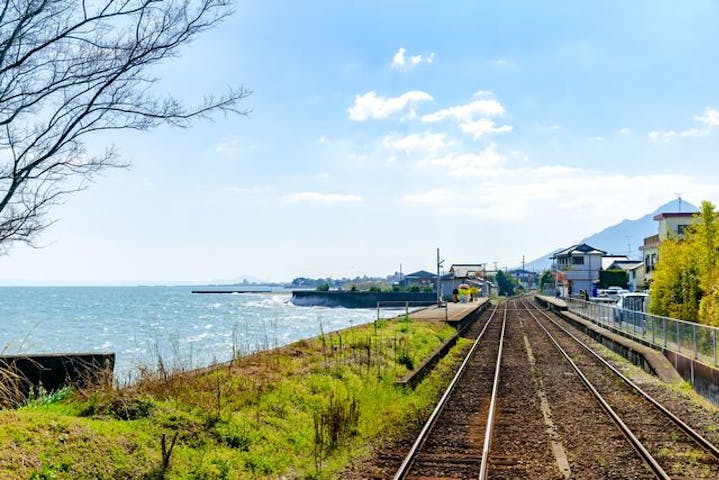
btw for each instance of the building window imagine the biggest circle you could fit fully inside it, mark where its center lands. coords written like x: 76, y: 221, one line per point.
x: 681, y: 229
x: 577, y: 260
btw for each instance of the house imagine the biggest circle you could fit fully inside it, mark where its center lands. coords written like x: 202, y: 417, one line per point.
x: 468, y: 270
x: 635, y: 279
x: 607, y: 260
x: 631, y: 268
x: 625, y: 265
x: 421, y: 278
x: 578, y: 267
x: 525, y: 278
x: 469, y: 273
x: 670, y: 225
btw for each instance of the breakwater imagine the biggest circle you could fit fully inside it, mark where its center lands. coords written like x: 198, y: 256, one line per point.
x: 346, y: 299
x: 23, y: 374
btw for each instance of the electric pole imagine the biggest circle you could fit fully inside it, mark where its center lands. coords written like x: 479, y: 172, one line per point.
x: 679, y: 199
x: 439, y: 264
x: 629, y: 245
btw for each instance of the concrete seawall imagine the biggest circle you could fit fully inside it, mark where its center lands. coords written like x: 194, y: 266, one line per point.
x: 22, y: 374
x: 309, y: 298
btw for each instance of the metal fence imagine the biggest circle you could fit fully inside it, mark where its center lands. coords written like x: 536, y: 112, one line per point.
x: 395, y: 308
x: 688, y: 338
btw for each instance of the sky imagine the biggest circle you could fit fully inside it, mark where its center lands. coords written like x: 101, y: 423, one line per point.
x: 380, y: 131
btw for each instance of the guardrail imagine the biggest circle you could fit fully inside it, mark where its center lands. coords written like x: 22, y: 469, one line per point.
x: 662, y: 332
x: 397, y: 305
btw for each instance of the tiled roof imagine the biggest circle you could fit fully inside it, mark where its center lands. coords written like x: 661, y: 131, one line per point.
x: 581, y: 248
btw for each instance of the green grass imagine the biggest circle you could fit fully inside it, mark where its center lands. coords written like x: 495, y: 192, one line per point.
x: 302, y: 411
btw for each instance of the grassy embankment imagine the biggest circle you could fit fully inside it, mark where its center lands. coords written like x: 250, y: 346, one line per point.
x: 301, y: 411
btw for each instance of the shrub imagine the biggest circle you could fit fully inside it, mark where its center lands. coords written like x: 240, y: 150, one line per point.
x: 405, y: 359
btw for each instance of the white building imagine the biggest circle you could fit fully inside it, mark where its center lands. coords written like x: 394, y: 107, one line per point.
x: 578, y: 267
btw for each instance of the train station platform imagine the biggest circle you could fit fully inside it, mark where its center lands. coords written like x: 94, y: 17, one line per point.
x: 657, y: 362
x: 651, y: 360
x: 450, y: 312
x: 555, y: 302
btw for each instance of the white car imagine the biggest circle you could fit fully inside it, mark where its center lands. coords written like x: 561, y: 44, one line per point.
x: 615, y: 292
x: 631, y: 307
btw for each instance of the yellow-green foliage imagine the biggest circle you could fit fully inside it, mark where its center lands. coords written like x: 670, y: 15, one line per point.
x: 675, y: 283
x: 301, y: 411
x: 685, y: 283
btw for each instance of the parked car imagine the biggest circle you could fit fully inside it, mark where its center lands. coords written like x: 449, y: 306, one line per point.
x: 614, y: 292
x: 631, y: 308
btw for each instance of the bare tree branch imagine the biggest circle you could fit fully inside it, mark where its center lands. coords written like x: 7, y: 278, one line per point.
x: 70, y: 68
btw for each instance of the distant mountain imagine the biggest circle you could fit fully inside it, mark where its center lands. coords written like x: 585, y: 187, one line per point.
x: 613, y: 239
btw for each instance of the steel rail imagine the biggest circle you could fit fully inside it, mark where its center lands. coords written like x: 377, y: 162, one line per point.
x: 693, y: 434
x: 651, y: 462
x: 427, y: 428
x: 484, y: 465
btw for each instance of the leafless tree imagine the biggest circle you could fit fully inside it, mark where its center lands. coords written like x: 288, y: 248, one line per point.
x: 69, y: 68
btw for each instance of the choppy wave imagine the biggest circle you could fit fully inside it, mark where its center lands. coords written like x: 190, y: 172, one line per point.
x: 143, y: 325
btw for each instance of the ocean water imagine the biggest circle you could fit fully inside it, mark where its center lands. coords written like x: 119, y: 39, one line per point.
x: 144, y: 324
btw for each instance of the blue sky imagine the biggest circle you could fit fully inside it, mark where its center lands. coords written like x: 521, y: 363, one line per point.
x: 382, y: 130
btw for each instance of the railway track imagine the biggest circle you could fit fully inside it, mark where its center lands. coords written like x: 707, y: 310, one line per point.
x: 531, y: 400
x: 667, y: 445
x: 450, y: 445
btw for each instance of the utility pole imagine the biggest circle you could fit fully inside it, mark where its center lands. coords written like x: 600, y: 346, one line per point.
x: 522, y: 261
x: 439, y: 264
x: 629, y: 245
x: 679, y: 198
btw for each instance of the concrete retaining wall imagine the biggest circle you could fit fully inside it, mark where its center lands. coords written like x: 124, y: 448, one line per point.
x: 413, y: 378
x: 306, y: 298
x: 704, y: 379
x: 21, y: 374
x: 633, y: 355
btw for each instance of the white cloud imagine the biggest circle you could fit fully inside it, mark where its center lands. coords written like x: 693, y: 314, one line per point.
x: 233, y: 147
x: 370, y: 105
x: 431, y: 197
x: 483, y: 126
x: 253, y: 189
x: 466, y: 112
x: 317, y: 197
x: 497, y: 190
x: 416, y: 141
x: 482, y: 164
x: 548, y: 129
x: 669, y: 135
x: 483, y: 94
x: 502, y: 63
x: 710, y: 120
x: 402, y: 62
x: 624, y: 131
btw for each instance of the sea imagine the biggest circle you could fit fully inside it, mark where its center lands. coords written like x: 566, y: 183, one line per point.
x: 157, y: 326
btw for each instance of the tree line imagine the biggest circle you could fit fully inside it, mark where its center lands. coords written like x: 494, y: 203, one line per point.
x: 685, y: 283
